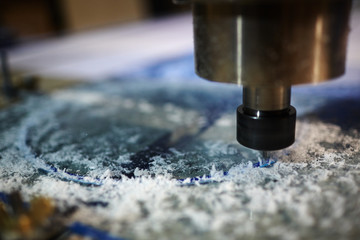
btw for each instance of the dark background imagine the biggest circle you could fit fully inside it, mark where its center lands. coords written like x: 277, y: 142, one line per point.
x: 21, y: 20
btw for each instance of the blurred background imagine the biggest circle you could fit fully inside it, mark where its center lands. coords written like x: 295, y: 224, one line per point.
x: 50, y: 44
x: 22, y: 20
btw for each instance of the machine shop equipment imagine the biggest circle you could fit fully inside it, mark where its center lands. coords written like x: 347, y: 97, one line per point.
x: 267, y: 46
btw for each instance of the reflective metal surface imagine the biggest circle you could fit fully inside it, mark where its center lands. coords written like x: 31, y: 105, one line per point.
x: 267, y: 98
x: 270, y: 43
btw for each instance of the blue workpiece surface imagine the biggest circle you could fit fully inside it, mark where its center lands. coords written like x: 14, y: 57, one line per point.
x: 153, y: 155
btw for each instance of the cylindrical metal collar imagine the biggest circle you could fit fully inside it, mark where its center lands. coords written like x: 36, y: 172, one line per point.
x: 266, y: 98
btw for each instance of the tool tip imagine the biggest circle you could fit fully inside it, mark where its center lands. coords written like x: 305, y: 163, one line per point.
x: 265, y: 154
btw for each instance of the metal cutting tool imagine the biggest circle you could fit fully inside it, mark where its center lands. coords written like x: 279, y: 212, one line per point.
x: 267, y: 46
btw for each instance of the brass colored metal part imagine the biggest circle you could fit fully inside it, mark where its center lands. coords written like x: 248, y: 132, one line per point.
x: 275, y: 43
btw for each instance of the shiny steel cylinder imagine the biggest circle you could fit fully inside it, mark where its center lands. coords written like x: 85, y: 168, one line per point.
x: 274, y: 43
x: 266, y: 98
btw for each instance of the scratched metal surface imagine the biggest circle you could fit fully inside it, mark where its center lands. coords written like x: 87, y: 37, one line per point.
x: 126, y: 142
